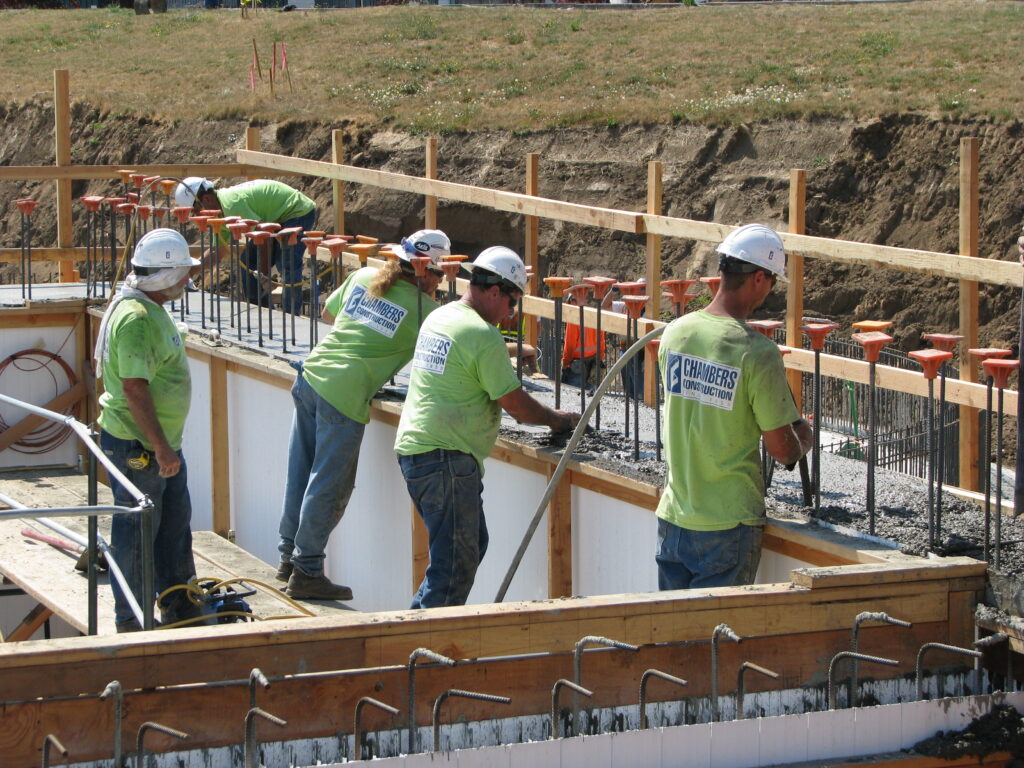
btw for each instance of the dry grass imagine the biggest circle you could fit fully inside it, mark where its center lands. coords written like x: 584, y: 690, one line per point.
x: 438, y: 69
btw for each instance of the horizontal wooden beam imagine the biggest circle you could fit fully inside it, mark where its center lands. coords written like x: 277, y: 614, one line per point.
x: 178, y: 171
x: 496, y: 199
x: 74, y: 253
x: 890, y: 573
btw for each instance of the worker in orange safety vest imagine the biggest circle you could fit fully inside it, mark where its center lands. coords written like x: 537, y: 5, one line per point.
x: 572, y: 367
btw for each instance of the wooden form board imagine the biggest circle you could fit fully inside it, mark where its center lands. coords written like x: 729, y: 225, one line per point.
x: 76, y: 172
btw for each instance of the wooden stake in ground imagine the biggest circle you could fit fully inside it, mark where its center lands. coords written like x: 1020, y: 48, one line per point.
x: 256, y: 59
x: 284, y: 66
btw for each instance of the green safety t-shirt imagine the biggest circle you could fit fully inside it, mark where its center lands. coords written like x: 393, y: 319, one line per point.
x: 460, y: 369
x: 372, y: 338
x: 144, y: 343
x: 263, y: 200
x: 724, y: 385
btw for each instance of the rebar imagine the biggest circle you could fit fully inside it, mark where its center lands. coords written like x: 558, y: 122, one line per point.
x: 114, y: 689
x: 250, y: 732
x: 419, y: 653
x: 996, y: 559
x: 741, y: 683
x: 987, y: 468
x: 357, y: 726
x: 256, y: 679
x: 559, y: 684
x: 930, y: 449
x: 140, y: 752
x: 873, y: 445
x: 726, y: 630
x: 644, y: 678
x: 49, y: 741
x: 861, y: 617
x: 832, y: 688
x: 436, y: 717
x: 577, y: 667
x: 937, y: 646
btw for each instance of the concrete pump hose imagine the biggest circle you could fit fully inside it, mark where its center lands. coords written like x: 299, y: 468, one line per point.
x: 570, y: 446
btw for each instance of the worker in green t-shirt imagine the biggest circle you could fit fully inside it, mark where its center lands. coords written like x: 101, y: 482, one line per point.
x: 725, y: 390
x: 263, y: 200
x: 375, y: 317
x: 141, y: 358
x: 461, y: 380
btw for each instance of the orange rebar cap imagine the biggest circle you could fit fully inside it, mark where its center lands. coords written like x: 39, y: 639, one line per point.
x: 450, y: 269
x: 91, y: 202
x: 288, y: 235
x: 158, y: 212
x: 26, y: 205
x: 872, y: 325
x: 557, y: 285
x: 984, y: 353
x: 460, y: 257
x: 765, y: 327
x: 143, y: 211
x: 334, y: 246
x: 258, y: 236
x: 200, y: 221
x: 269, y: 226
x: 817, y: 332
x: 137, y: 179
x: 148, y: 180
x: 419, y: 264
x: 631, y: 287
x: 678, y: 289
x: 783, y: 350
x: 312, y: 243
x: 217, y: 224
x: 363, y: 251
x: 210, y: 212
x: 113, y: 202
x: 366, y: 239
x: 1000, y: 370
x: 654, y: 345
x: 237, y: 229
x: 126, y: 176
x: 182, y: 214
x: 872, y: 341
x: 126, y: 209
x: 931, y: 360
x: 635, y: 305
x: 168, y: 185
x: 133, y: 197
x: 712, y: 283
x: 600, y: 284
x: 316, y: 233
x: 578, y: 293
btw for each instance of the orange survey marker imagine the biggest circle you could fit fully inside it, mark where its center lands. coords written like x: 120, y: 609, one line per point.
x: 765, y: 327
x: 817, y: 332
x: 557, y: 285
x: 931, y: 360
x: 712, y: 283
x: 872, y: 341
x: 999, y: 370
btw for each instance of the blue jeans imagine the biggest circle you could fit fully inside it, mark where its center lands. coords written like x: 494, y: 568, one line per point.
x: 690, y: 559
x: 323, y: 453
x: 289, y: 264
x: 446, y: 488
x: 172, y: 518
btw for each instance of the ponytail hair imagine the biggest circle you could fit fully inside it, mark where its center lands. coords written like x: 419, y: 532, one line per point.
x: 386, y: 277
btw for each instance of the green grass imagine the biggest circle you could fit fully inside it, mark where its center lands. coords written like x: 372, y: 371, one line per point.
x: 443, y: 69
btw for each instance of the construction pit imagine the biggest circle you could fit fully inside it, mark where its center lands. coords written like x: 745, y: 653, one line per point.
x: 766, y: 667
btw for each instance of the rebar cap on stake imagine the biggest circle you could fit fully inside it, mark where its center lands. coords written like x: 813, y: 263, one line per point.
x: 322, y: 234
x: 137, y: 179
x: 144, y: 211
x: 167, y: 186
x: 366, y: 240
x: 869, y: 326
x: 817, y: 332
x: 288, y: 235
x: 872, y: 341
x: 765, y: 327
x: 631, y: 287
x: 158, y: 212
x: 201, y: 222
x: 712, y: 283
x: 635, y: 305
x: 258, y: 236
x: 987, y: 353
x: 419, y: 264
x: 600, y: 284
x: 237, y: 229
x: 133, y: 197
x: 945, y: 341
x: 678, y: 289
x: 217, y: 224
x: 931, y: 360
x: 1000, y: 370
x: 450, y: 269
x: 364, y: 251
x: 147, y: 180
x: 269, y: 226
x: 461, y: 257
x: 334, y: 245
x: 126, y: 176
x: 182, y: 214
x: 557, y: 285
x: 26, y: 205
x: 125, y: 209
x: 91, y: 202
x: 113, y: 202
x: 312, y: 243
x: 578, y: 292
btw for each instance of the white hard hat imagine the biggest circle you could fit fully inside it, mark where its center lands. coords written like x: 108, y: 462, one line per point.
x: 189, y: 190
x: 755, y: 244
x: 426, y: 242
x: 161, y: 248
x: 497, y: 265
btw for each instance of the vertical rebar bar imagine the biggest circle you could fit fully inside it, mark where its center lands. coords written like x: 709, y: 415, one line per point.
x: 424, y: 653
x: 559, y: 684
x: 644, y: 678
x: 578, y: 667
x: 357, y: 727
x: 720, y: 630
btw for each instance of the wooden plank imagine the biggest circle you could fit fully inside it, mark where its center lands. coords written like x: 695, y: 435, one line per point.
x: 70, y: 253
x: 337, y: 185
x: 13, y: 434
x: 62, y: 153
x: 827, y: 543
x: 785, y: 546
x: 916, y: 569
x: 653, y: 274
x: 531, y: 235
x: 49, y: 320
x: 611, y: 485
x: 220, y: 449
x: 252, y: 141
x: 970, y: 449
x: 795, y: 273
x: 961, y: 617
x: 430, y: 172
x: 560, y: 538
x: 513, y: 202
x: 28, y: 626
x: 77, y: 172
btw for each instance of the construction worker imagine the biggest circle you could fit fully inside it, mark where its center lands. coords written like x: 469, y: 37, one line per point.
x: 375, y: 314
x: 264, y: 201
x: 577, y: 371
x: 461, y: 380
x: 725, y: 390
x: 141, y: 358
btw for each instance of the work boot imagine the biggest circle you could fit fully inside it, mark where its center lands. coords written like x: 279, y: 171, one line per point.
x: 179, y: 608
x: 301, y: 586
x: 284, y: 570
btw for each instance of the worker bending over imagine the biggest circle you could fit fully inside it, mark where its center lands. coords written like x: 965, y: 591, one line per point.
x: 375, y: 319
x: 461, y: 380
x: 725, y: 389
x: 147, y: 390
x: 577, y: 371
x: 264, y: 201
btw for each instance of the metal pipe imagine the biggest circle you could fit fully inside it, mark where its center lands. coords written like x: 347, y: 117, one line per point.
x: 657, y: 407
x: 49, y: 741
x: 721, y: 629
x: 577, y: 667
x: 92, y: 558
x: 930, y: 450
x: 419, y: 653
x: 559, y: 684
x: 436, y: 717
x: 140, y: 752
x: 741, y: 687
x: 940, y: 476
x: 987, y: 464
x: 250, y: 732
x: 644, y: 678
x: 357, y: 726
x: 873, y: 445
x: 860, y: 617
x: 636, y: 395
x: 939, y: 646
x: 832, y: 688
x: 996, y: 560
x: 557, y: 346
x: 114, y: 689
x: 256, y: 680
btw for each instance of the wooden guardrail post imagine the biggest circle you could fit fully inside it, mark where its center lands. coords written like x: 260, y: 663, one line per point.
x: 430, y: 201
x: 62, y: 152
x: 653, y: 272
x: 969, y: 210
x: 338, y: 186
x: 531, y: 226
x: 795, y: 288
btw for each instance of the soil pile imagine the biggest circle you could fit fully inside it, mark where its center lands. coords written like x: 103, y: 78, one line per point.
x: 1001, y: 730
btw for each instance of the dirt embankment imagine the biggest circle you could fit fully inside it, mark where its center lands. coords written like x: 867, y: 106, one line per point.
x: 892, y: 180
